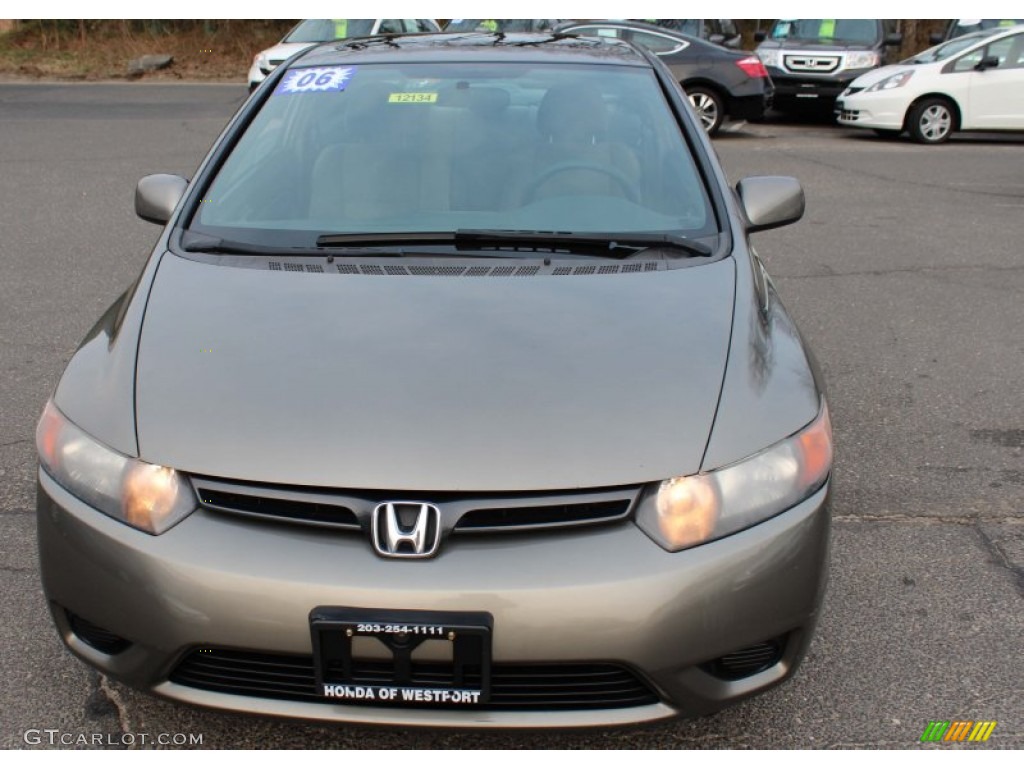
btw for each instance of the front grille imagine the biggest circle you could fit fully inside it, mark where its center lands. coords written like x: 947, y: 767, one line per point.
x: 312, y: 512
x: 101, y: 639
x: 849, y: 114
x: 810, y: 63
x: 541, y: 687
x: 560, y: 515
x: 352, y: 509
x: 747, y: 661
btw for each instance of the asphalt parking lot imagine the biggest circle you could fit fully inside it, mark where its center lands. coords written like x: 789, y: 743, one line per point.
x: 906, y: 277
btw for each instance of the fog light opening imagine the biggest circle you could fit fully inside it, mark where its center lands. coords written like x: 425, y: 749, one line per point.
x: 103, y: 640
x: 748, y: 661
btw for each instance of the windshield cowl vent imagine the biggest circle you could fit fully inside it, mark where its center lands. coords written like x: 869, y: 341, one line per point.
x: 466, y: 270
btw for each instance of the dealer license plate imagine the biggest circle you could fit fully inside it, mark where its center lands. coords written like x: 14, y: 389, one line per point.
x: 463, y: 679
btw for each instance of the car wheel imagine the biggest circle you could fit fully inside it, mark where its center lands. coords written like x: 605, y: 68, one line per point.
x: 931, y: 121
x: 708, y: 106
x: 887, y: 133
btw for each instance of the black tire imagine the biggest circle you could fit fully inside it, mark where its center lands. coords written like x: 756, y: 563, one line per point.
x: 931, y: 121
x: 887, y: 133
x: 709, y: 107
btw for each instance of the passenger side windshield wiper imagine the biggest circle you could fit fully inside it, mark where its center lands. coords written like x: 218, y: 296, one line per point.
x: 594, y: 243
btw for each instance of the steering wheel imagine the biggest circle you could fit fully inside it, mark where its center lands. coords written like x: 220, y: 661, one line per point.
x: 627, y: 185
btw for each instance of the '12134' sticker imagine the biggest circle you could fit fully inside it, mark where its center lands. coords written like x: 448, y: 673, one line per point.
x: 315, y: 80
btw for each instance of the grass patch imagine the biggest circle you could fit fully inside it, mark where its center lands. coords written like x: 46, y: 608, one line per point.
x: 101, y: 50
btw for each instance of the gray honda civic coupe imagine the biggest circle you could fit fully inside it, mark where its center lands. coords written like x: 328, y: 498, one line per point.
x: 452, y: 394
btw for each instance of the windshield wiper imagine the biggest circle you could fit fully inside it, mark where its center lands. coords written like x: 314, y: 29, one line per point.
x: 365, y: 239
x: 611, y: 245
x: 199, y: 243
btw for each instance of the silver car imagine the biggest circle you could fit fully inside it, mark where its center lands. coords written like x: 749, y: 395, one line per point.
x: 452, y: 394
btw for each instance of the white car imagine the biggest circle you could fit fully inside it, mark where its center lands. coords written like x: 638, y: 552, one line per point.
x: 972, y: 83
x: 309, y: 32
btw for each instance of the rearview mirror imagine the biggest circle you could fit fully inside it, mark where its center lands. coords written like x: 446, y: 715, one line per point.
x: 770, y: 201
x: 157, y: 196
x: 716, y: 39
x: 894, y: 39
x: 760, y: 36
x: 935, y: 38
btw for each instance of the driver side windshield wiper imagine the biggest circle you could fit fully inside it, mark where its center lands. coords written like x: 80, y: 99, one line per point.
x: 611, y: 245
x: 199, y: 243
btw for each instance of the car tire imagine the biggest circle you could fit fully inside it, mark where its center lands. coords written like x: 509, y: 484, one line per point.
x: 887, y: 133
x: 709, y: 107
x: 931, y: 121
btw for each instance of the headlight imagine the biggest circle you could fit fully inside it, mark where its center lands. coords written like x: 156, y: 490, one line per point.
x: 145, y: 496
x: 770, y: 57
x: 893, y: 81
x: 685, y: 511
x: 861, y: 60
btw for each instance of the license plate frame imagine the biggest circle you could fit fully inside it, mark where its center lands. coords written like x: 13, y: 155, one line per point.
x: 333, y: 629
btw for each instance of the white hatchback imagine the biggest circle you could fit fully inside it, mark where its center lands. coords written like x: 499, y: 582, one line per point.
x: 972, y: 83
x: 310, y: 32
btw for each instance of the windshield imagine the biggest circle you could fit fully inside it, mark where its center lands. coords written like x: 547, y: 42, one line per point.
x: 323, y: 30
x: 685, y: 26
x: 963, y: 26
x: 441, y: 147
x: 500, y: 25
x: 951, y: 48
x: 863, y: 31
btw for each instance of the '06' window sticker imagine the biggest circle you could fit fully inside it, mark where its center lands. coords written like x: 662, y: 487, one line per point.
x: 315, y: 80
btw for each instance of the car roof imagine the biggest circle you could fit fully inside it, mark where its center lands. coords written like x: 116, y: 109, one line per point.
x: 474, y: 47
x: 984, y: 35
x: 641, y: 25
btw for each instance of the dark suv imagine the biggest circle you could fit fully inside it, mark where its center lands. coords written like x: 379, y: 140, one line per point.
x: 811, y: 61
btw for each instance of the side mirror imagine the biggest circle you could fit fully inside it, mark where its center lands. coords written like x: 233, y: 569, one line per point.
x: 935, y: 38
x: 989, y: 62
x: 157, y: 196
x: 770, y: 201
x: 760, y: 36
x: 894, y: 39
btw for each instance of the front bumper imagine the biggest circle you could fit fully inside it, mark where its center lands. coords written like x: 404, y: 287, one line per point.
x: 884, y: 110
x: 812, y: 88
x: 256, y: 76
x: 604, y: 594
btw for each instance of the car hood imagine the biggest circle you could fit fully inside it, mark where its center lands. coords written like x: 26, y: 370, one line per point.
x: 796, y: 44
x: 432, y: 383
x: 283, y: 51
x: 877, y: 75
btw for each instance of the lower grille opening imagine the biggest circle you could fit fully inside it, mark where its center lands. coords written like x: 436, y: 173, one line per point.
x: 514, y: 687
x: 747, y: 661
x: 101, y: 639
